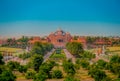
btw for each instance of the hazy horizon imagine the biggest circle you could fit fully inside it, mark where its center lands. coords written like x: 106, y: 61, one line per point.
x: 40, y: 18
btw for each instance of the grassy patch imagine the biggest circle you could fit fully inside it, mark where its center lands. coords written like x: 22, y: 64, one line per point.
x: 14, y: 51
x: 82, y: 74
x: 57, y: 55
x: 61, y: 55
x: 113, y: 49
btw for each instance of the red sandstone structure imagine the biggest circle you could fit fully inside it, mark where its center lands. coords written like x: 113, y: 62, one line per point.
x: 59, y: 39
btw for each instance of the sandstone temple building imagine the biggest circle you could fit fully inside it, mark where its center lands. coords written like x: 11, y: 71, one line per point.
x: 59, y: 39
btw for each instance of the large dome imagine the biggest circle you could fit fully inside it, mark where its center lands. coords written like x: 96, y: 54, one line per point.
x: 59, y: 32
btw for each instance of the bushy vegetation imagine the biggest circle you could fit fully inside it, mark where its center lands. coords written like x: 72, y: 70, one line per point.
x: 74, y: 48
x: 37, y: 61
x: 97, y: 74
x: 30, y: 74
x: 69, y: 67
x: 1, y: 61
x: 5, y: 73
x: 57, y: 74
x: 71, y: 78
x: 25, y: 55
x: 87, y: 55
x: 41, y: 48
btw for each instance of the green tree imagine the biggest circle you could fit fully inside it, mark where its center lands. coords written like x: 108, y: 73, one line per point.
x: 101, y: 64
x: 47, y: 67
x: 115, y: 59
x: 84, y: 63
x: 57, y: 74
x: 13, y: 65
x: 71, y: 78
x: 30, y: 74
x: 37, y: 61
x: 38, y: 49
x: 97, y: 74
x: 74, y: 48
x: 1, y: 61
x: 22, y: 69
x: 7, y: 76
x: 87, y: 55
x: 23, y: 41
x: 69, y: 67
x: 41, y: 76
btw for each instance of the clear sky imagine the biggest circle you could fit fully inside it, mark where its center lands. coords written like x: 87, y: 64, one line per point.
x: 40, y: 17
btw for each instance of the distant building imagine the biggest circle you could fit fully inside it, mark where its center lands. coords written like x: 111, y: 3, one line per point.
x: 102, y: 42
x: 59, y: 39
x: 81, y: 39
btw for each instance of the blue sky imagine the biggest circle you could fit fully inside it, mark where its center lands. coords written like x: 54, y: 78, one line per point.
x: 40, y: 17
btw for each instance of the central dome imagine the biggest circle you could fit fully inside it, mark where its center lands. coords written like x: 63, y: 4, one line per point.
x: 59, y: 32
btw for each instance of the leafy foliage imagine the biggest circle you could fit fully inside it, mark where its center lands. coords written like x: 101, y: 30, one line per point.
x: 13, y: 65
x: 74, y: 48
x: 41, y: 76
x: 87, y: 55
x: 7, y: 76
x: 69, y: 67
x: 97, y: 74
x: 57, y: 74
x: 22, y: 69
x: 41, y: 48
x: 101, y: 64
x: 37, y: 61
x: 1, y: 61
x: 47, y: 67
x: 30, y: 74
x: 71, y: 78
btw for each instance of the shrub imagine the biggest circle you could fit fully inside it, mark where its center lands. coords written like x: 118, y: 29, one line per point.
x: 57, y: 74
x: 30, y: 74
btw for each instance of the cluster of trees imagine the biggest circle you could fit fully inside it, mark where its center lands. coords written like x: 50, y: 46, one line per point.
x: 25, y: 55
x: 87, y: 55
x: 114, y: 65
x: 91, y: 40
x: 20, y: 43
x: 41, y: 48
x: 42, y: 71
x: 15, y: 66
x: 116, y: 42
x: 70, y: 69
x: 96, y: 70
x: 84, y: 60
x: 5, y: 73
x: 75, y: 48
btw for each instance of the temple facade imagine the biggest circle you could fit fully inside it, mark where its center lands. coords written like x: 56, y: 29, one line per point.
x: 59, y: 39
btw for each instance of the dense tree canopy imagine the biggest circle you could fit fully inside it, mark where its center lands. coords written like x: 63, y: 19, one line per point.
x: 41, y: 76
x: 7, y: 75
x: 22, y: 68
x: 69, y: 67
x: 57, y: 74
x: 97, y: 74
x: 13, y: 65
x: 74, y: 48
x: 30, y: 74
x: 41, y: 48
x: 71, y: 78
x: 1, y: 61
x: 37, y: 61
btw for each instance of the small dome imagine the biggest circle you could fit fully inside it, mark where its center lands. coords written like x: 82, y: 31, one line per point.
x: 59, y: 32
